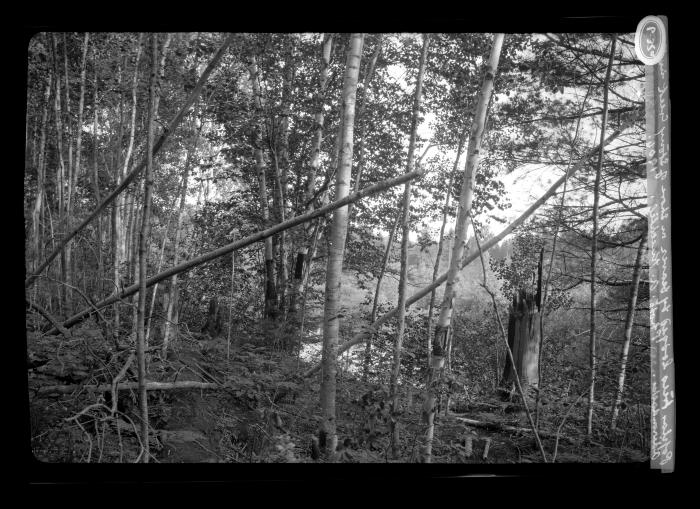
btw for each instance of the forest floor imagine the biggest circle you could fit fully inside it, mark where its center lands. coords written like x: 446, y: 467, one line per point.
x: 255, y: 407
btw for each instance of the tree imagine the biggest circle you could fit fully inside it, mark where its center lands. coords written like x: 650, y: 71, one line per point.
x: 143, y: 249
x: 442, y: 328
x: 594, y: 245
x: 336, y: 248
x: 629, y: 324
x: 403, y: 276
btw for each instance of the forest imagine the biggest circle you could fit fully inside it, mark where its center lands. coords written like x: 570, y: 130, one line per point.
x: 336, y: 248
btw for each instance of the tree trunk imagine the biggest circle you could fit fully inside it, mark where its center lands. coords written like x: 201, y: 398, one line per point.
x: 60, y: 173
x: 169, y: 316
x: 96, y: 183
x: 303, y: 258
x: 143, y: 256
x: 629, y: 324
x: 214, y: 323
x: 442, y: 329
x: 375, y: 303
x: 594, y: 246
x: 369, y: 72
x: 81, y: 104
x: 441, y: 240
x: 270, y: 310
x: 336, y: 249
x: 283, y: 171
x: 239, y: 244
x: 40, y: 171
x: 403, y: 276
x: 70, y: 182
x: 523, y: 340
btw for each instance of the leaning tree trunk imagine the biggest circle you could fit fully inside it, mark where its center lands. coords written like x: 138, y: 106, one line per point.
x: 239, y: 244
x: 442, y: 329
x: 594, y: 246
x: 403, y: 276
x: 629, y: 324
x: 524, y: 342
x: 441, y: 241
x: 336, y: 249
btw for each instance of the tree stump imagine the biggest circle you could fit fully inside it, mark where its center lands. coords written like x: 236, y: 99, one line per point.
x: 524, y: 342
x: 214, y: 323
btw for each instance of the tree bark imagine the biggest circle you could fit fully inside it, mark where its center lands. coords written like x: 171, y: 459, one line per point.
x: 336, y: 248
x: 403, y: 276
x: 70, y: 183
x: 270, y: 310
x: 283, y: 171
x: 441, y: 240
x: 143, y: 254
x: 594, y: 244
x: 366, y: 81
x: 523, y: 340
x: 629, y: 324
x: 60, y: 174
x: 40, y: 171
x: 303, y: 257
x: 96, y: 182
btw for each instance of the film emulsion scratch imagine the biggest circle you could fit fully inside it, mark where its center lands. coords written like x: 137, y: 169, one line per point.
x: 660, y: 300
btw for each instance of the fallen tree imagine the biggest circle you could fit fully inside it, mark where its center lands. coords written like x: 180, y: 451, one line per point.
x: 150, y: 386
x: 499, y: 426
x: 239, y: 244
x: 374, y: 327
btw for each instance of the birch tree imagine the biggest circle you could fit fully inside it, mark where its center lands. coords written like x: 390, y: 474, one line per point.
x: 629, y: 324
x: 303, y: 257
x: 442, y: 328
x: 405, y: 231
x: 336, y: 249
x: 270, y: 310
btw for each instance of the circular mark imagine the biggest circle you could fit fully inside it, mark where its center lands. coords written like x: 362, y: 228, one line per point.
x: 650, y: 40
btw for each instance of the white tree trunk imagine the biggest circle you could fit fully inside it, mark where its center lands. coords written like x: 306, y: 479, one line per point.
x: 443, y: 326
x: 336, y: 247
x: 629, y: 324
x: 403, y: 276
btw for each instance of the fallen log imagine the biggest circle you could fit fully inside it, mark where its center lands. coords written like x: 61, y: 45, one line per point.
x: 239, y: 244
x: 498, y: 426
x: 150, y: 386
